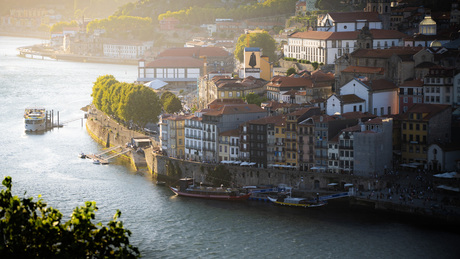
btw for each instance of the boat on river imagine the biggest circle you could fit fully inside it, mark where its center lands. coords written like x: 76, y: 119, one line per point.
x: 296, y: 202
x: 286, y: 199
x: 187, y: 188
x: 35, y: 119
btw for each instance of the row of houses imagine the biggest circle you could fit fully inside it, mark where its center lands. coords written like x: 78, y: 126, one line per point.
x: 231, y: 131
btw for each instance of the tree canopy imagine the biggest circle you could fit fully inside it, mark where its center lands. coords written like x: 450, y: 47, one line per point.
x: 124, y: 26
x: 30, y: 229
x: 253, y: 98
x: 260, y: 40
x: 128, y: 102
x: 172, y: 104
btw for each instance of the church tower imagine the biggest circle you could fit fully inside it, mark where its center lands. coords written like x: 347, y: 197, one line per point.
x: 383, y: 7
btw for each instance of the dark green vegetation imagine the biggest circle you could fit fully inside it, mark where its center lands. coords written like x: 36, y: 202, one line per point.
x: 30, y: 229
x: 256, y: 99
x: 260, y: 40
x: 126, y: 102
x: 170, y: 102
x: 124, y: 27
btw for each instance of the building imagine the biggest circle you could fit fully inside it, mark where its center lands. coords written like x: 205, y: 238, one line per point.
x: 349, y: 21
x: 410, y: 93
x: 421, y: 126
x: 125, y: 49
x: 325, y: 46
x: 438, y: 86
x: 172, y: 135
x: 380, y: 97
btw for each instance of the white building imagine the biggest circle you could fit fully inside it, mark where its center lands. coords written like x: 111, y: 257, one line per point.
x: 193, y: 137
x: 380, y: 97
x: 126, y: 50
x: 339, y: 104
x: 349, y: 21
x: 325, y: 46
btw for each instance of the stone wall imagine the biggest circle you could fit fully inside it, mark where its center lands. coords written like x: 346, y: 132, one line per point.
x: 243, y: 176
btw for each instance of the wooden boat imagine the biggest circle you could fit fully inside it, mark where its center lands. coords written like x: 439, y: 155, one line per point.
x: 188, y: 189
x: 296, y: 202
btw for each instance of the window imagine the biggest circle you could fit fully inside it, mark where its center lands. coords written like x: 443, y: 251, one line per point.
x: 230, y: 94
x: 222, y: 94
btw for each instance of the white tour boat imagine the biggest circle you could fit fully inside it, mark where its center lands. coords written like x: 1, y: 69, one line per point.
x: 35, y: 119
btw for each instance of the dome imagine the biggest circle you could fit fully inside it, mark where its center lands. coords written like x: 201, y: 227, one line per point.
x: 435, y: 44
x: 428, y: 21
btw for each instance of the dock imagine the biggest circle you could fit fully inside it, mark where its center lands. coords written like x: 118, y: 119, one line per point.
x: 105, y: 159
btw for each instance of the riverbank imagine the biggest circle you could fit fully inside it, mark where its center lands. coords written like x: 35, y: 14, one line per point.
x: 25, y: 34
x: 405, y: 193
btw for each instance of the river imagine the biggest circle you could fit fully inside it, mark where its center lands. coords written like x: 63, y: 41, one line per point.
x: 163, y: 225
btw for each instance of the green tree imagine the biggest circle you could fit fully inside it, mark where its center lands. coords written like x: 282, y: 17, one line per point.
x: 58, y: 27
x: 172, y: 104
x: 30, y: 229
x: 290, y: 71
x: 165, y: 96
x: 219, y: 175
x: 253, y: 98
x: 259, y: 40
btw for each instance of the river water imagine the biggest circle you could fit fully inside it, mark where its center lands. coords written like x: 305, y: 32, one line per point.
x: 163, y: 225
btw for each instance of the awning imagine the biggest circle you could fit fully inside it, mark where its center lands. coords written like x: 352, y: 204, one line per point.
x: 333, y: 184
x: 449, y: 188
x: 446, y: 175
x: 244, y: 163
x: 347, y: 185
x: 252, y: 163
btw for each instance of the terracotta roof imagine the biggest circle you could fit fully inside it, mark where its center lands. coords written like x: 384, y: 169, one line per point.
x: 430, y: 110
x: 355, y: 128
x: 278, y: 120
x: 216, y: 103
x: 347, y: 35
x: 357, y: 115
x: 291, y: 92
x: 377, y: 120
x: 365, y: 70
x: 319, y: 76
x: 232, y: 132
x: 286, y: 82
x: 195, y: 52
x: 380, y: 84
x: 179, y: 62
x: 235, y: 109
x: 354, y: 16
x: 350, y: 98
x: 412, y: 83
x: 385, y: 53
x: 302, y: 111
x: 325, y: 118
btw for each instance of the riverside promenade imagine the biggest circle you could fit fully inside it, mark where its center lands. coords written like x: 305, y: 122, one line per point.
x: 408, y: 192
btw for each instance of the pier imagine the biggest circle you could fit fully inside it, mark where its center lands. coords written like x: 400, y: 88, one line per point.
x: 105, y: 159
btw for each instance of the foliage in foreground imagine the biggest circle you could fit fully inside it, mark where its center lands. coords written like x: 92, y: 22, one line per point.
x: 30, y: 229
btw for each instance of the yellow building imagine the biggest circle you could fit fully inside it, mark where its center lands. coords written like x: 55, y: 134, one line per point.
x: 421, y: 126
x: 172, y: 135
x: 280, y: 138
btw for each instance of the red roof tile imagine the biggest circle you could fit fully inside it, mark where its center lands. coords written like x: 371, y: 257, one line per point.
x: 380, y: 84
x: 179, y: 62
x: 365, y: 70
x: 353, y: 16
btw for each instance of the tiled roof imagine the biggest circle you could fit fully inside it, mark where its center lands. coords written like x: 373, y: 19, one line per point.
x: 354, y: 16
x: 216, y: 103
x: 195, y: 52
x: 235, y: 109
x: 319, y: 76
x: 278, y: 120
x: 380, y: 84
x: 385, y: 53
x: 357, y: 115
x: 347, y: 35
x: 429, y: 109
x: 179, y: 62
x: 232, y: 132
x: 355, y: 128
x: 286, y: 82
x: 412, y: 83
x: 350, y: 98
x: 322, y: 118
x: 425, y: 64
x: 377, y: 120
x: 365, y: 70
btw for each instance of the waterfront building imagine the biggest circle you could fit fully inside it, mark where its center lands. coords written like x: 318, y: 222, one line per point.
x: 443, y: 157
x: 372, y: 148
x: 326, y: 47
x: 125, y: 49
x: 380, y: 97
x: 438, y: 86
x: 260, y: 137
x: 223, y: 118
x: 421, y: 126
x: 172, y: 135
x: 193, y: 137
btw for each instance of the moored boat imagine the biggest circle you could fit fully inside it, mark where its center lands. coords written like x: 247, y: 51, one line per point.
x: 35, y: 119
x: 296, y: 202
x: 187, y: 188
